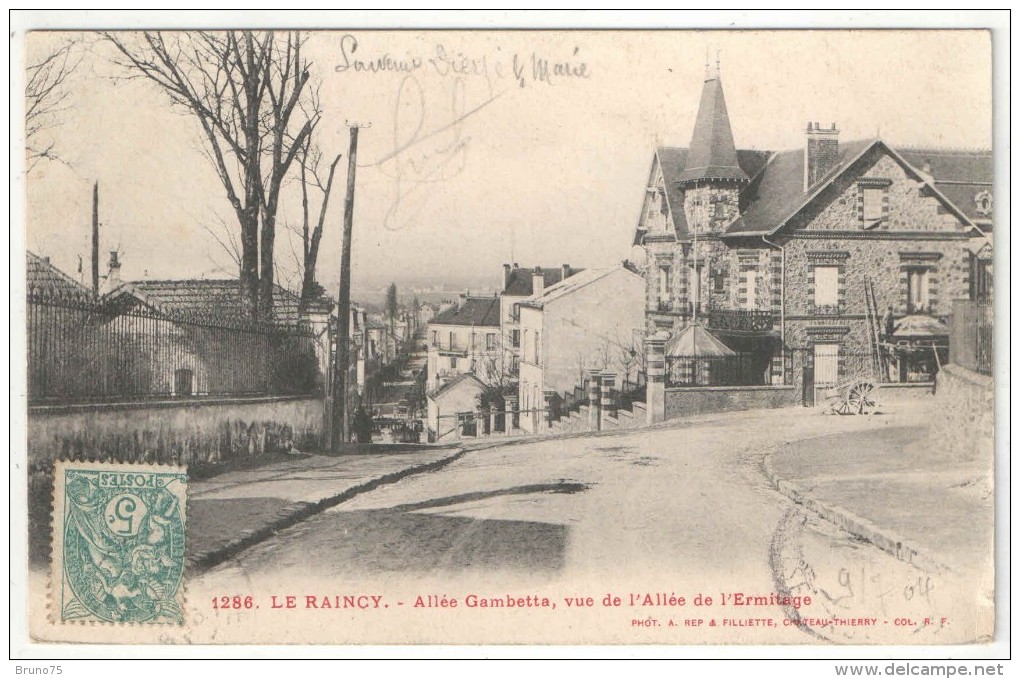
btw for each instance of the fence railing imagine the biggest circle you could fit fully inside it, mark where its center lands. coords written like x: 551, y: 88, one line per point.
x: 717, y: 371
x: 83, y: 350
x: 740, y: 320
x: 970, y: 335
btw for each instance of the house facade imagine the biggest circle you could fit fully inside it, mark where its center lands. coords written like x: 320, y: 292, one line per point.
x: 592, y: 320
x: 464, y: 338
x: 520, y: 283
x: 452, y: 409
x: 811, y: 265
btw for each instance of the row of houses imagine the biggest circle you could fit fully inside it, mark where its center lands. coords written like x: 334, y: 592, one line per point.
x: 793, y: 270
x: 516, y: 355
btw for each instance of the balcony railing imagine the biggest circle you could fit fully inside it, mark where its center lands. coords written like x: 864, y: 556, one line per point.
x: 740, y: 320
x: 448, y: 348
x: 828, y: 309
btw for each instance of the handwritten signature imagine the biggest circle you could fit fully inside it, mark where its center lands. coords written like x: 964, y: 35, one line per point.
x: 424, y: 157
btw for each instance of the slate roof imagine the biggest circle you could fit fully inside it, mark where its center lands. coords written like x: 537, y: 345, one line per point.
x: 695, y: 341
x: 520, y: 280
x: 572, y: 284
x: 42, y: 278
x: 780, y: 191
x: 960, y: 175
x: 474, y: 311
x: 779, y: 194
x: 712, y: 154
x: 673, y: 161
x: 206, y: 297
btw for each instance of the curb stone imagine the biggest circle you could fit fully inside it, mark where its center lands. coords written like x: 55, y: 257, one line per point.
x: 299, y: 511
x: 903, y: 550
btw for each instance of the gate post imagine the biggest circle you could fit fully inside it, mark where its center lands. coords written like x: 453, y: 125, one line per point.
x: 511, y: 411
x: 655, y: 386
x: 608, y: 380
x: 548, y: 397
x: 594, y: 401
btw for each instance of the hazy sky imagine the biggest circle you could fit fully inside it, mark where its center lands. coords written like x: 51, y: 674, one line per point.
x: 496, y: 166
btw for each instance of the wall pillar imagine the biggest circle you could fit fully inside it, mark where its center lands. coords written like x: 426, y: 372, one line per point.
x: 511, y: 403
x: 547, y: 399
x: 594, y: 401
x: 608, y: 381
x: 655, y: 388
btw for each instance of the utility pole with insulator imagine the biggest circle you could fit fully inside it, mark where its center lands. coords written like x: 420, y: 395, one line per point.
x: 340, y: 430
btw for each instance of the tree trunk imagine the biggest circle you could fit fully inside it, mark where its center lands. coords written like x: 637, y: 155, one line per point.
x: 266, y: 283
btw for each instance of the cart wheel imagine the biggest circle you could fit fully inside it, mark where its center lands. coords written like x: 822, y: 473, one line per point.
x: 860, y: 397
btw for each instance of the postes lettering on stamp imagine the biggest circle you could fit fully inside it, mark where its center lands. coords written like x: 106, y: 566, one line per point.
x: 119, y: 542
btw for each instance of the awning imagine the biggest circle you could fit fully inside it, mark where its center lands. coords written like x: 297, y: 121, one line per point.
x: 919, y: 326
x: 694, y: 341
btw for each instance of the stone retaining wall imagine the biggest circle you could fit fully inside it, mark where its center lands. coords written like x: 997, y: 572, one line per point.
x: 190, y: 432
x: 681, y: 402
x: 963, y: 416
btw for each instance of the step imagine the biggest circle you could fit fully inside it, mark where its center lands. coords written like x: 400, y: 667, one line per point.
x: 609, y: 422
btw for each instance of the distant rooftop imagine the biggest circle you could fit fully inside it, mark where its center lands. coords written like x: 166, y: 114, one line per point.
x: 483, y: 311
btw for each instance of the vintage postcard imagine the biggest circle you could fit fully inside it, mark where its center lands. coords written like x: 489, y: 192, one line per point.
x: 637, y: 337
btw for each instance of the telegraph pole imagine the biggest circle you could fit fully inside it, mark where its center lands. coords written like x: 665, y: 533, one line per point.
x: 95, y: 239
x: 341, y: 426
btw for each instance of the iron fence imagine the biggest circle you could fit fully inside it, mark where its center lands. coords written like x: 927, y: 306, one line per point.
x: 84, y: 350
x: 718, y: 371
x: 970, y: 335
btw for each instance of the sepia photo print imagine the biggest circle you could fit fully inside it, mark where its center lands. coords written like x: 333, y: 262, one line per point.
x: 669, y: 337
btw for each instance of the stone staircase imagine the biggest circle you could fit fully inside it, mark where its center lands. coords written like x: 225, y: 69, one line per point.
x: 577, y: 420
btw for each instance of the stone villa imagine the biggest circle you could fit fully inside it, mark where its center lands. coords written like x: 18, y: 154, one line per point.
x: 803, y: 266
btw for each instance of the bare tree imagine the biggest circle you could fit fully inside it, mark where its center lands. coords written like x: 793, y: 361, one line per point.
x: 46, y: 97
x: 309, y: 161
x: 249, y: 92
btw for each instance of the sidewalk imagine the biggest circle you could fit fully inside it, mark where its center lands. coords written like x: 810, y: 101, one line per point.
x: 893, y: 488
x: 234, y: 510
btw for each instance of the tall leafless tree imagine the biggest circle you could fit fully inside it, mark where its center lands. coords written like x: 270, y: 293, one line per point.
x: 47, y: 96
x: 309, y: 161
x: 250, y: 93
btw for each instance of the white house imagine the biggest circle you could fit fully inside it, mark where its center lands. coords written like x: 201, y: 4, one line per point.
x: 591, y: 320
x: 452, y: 409
x: 464, y: 338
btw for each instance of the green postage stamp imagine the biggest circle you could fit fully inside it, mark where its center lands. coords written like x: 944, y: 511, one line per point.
x: 118, y: 543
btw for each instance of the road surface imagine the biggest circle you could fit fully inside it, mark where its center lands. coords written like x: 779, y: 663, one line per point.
x: 672, y: 512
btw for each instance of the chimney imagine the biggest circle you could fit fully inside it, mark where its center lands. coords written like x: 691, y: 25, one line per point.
x: 821, y: 153
x: 537, y: 281
x: 113, y: 275
x: 566, y: 272
x: 506, y: 275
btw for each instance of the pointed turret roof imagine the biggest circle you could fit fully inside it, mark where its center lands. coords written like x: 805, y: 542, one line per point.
x: 712, y: 154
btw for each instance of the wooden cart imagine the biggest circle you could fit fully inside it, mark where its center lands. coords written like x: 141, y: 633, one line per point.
x: 854, y: 396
